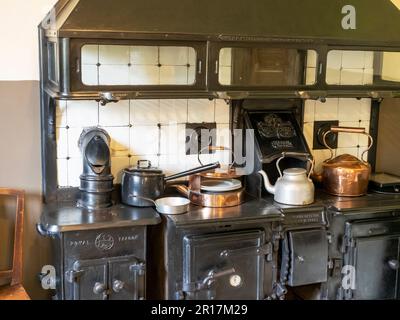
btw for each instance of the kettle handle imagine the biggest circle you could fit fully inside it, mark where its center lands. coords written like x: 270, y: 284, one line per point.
x: 295, y: 155
x: 357, y: 130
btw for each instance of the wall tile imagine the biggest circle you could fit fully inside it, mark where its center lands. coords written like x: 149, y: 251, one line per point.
x: 352, y: 76
x: 224, y: 137
x: 145, y: 112
x: 308, y: 131
x: 114, y: 114
x: 349, y: 110
x: 311, y: 74
x: 353, y: 59
x: 173, y: 111
x: 75, y: 169
x: 225, y: 57
x: 173, y: 140
x: 83, y: 113
x: 201, y: 110
x: 225, y: 75
x: 73, y: 140
x: 119, y: 141
x: 62, y: 172
x: 333, y: 76
x: 327, y: 110
x: 319, y: 157
x: 309, y: 110
x: 172, y: 164
x: 311, y: 59
x: 351, y: 151
x: 174, y: 75
x: 111, y: 54
x: 114, y: 75
x: 335, y: 60
x: 90, y: 54
x: 363, y: 139
x: 61, y: 113
x: 144, y: 55
x: 368, y: 76
x: 144, y: 75
x: 365, y: 109
x: 174, y: 56
x: 118, y: 164
x: 348, y: 140
x: 144, y: 140
x: 368, y: 59
x: 222, y: 111
x: 62, y: 143
x: 90, y: 75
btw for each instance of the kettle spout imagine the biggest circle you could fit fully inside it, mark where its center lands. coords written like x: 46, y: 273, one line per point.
x: 268, y: 186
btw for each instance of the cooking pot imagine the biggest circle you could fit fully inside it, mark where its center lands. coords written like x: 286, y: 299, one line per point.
x: 293, y: 187
x: 145, y: 181
x: 345, y: 175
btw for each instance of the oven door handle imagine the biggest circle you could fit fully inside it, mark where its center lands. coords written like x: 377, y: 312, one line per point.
x: 265, y: 250
x: 208, y: 281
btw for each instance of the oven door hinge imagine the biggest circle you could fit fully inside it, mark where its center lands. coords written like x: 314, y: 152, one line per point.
x: 347, y: 243
x: 72, y: 275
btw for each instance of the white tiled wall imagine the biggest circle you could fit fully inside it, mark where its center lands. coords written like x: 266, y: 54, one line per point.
x: 140, y: 129
x: 137, y: 65
x: 350, y: 67
x: 344, y: 67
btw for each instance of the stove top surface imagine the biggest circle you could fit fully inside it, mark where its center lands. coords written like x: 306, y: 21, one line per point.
x: 68, y: 217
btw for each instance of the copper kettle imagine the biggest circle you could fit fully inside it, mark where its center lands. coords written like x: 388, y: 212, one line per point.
x: 345, y: 175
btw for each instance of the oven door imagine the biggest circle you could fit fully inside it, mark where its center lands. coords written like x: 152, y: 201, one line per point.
x: 227, y: 266
x: 127, y: 279
x: 372, y: 260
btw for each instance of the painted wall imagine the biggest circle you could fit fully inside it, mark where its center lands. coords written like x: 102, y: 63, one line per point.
x: 20, y: 161
x: 18, y: 31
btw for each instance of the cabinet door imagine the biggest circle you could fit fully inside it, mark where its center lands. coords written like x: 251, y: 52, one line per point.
x: 376, y: 262
x: 89, y: 280
x: 127, y: 279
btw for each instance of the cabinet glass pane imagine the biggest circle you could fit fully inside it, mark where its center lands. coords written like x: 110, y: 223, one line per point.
x: 113, y: 65
x: 266, y: 67
x: 345, y: 67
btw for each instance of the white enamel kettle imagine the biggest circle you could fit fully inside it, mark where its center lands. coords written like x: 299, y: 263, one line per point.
x: 293, y: 187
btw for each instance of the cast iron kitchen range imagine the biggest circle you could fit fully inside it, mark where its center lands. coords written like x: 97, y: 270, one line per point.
x: 235, y: 241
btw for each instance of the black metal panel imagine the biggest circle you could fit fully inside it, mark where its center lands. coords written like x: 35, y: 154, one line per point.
x: 306, y: 19
x: 308, y: 257
x: 231, y: 262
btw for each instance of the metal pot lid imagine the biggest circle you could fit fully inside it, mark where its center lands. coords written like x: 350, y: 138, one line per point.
x: 346, y: 161
x: 144, y: 167
x: 217, y: 185
x: 295, y: 172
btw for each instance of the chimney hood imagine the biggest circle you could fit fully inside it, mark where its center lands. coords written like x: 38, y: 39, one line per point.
x: 320, y: 25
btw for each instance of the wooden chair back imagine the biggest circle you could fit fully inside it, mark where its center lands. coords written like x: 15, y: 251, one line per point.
x: 15, y: 274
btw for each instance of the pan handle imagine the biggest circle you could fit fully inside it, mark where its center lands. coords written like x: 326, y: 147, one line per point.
x: 357, y: 130
x: 190, y: 172
x: 143, y: 198
x: 182, y: 189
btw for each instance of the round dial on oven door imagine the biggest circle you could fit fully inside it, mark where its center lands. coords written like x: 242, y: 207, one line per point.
x: 286, y: 131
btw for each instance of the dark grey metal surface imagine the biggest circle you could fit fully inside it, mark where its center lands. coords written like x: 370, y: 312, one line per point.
x: 308, y: 19
x: 59, y: 219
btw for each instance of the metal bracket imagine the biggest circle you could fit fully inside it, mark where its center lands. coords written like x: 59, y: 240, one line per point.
x: 265, y: 250
x: 72, y: 275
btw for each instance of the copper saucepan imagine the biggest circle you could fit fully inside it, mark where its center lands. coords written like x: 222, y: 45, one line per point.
x: 345, y: 175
